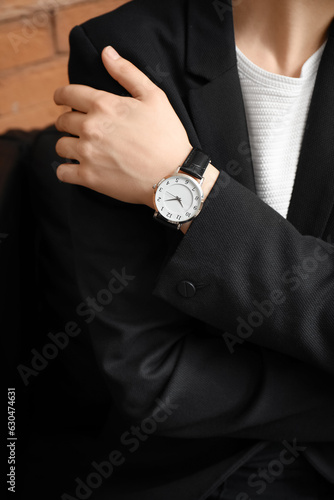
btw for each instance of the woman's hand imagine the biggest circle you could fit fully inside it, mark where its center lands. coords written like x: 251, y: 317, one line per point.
x: 124, y: 144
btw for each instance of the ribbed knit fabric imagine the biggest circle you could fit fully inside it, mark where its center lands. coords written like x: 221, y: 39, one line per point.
x: 276, y: 109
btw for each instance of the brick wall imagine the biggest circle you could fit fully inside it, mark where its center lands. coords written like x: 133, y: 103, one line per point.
x: 34, y: 56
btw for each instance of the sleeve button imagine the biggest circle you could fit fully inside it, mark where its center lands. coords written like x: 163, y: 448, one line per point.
x: 186, y: 289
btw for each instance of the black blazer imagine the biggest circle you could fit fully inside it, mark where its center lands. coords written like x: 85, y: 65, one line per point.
x: 158, y: 339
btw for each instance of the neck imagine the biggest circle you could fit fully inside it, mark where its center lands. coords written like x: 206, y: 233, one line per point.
x: 280, y: 35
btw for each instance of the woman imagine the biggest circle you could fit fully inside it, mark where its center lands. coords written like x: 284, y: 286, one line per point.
x: 250, y: 278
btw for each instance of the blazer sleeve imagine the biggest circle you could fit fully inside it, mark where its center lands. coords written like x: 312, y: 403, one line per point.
x: 257, y: 279
x: 153, y: 350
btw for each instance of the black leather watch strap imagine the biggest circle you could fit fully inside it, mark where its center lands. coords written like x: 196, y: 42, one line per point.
x: 196, y: 163
x: 166, y: 222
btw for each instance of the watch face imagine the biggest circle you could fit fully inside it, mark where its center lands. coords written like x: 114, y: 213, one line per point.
x: 179, y: 198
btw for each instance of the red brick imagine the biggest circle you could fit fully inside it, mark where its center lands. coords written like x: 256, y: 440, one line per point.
x: 18, y: 3
x: 11, y: 9
x: 32, y: 85
x: 38, y: 4
x: 30, y: 71
x: 23, y: 42
x: 67, y: 18
x: 38, y: 116
x: 32, y: 5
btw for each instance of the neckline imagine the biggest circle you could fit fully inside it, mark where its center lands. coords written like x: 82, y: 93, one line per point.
x: 267, y: 78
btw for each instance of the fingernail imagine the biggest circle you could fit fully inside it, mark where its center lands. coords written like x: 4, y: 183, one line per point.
x: 111, y: 52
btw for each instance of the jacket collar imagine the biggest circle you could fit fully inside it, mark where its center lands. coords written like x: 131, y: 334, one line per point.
x: 216, y: 104
x: 210, y: 38
x: 217, y: 111
x: 313, y: 194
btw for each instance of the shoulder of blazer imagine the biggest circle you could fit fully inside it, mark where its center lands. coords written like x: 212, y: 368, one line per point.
x: 199, y: 33
x: 137, y: 22
x: 150, y: 34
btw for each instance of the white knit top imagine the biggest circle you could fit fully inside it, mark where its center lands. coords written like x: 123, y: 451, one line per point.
x: 276, y: 109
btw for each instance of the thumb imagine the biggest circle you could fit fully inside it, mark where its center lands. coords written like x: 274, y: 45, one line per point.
x: 127, y: 74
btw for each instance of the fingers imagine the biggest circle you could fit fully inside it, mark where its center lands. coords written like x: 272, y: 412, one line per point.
x: 73, y: 173
x: 78, y: 97
x: 126, y: 74
x: 70, y: 173
x: 67, y: 147
x: 71, y: 122
x: 82, y: 98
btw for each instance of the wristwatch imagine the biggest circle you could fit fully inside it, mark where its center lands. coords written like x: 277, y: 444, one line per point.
x: 178, y: 198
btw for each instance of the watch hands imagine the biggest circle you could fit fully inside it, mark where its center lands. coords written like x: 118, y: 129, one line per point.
x: 176, y: 198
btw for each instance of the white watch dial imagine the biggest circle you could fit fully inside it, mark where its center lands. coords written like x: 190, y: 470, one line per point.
x: 178, y: 198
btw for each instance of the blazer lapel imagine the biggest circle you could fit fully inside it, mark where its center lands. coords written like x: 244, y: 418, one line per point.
x: 313, y: 195
x: 215, y: 103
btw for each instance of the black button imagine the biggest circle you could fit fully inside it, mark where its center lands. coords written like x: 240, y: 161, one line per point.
x: 186, y: 289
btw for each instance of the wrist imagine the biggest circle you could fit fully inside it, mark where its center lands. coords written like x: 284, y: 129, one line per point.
x: 165, y: 172
x: 210, y: 178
